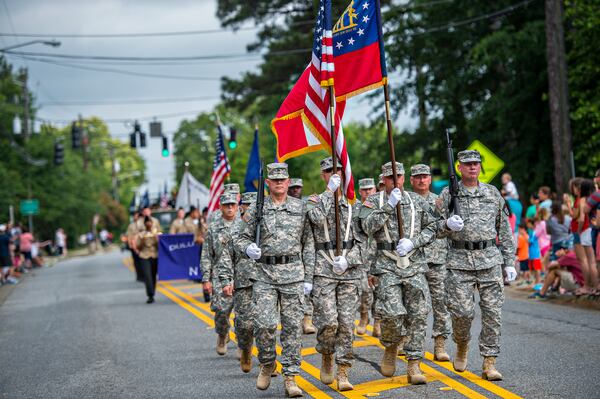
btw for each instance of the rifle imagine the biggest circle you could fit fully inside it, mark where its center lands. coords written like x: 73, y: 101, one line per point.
x: 453, y: 186
x: 260, y: 202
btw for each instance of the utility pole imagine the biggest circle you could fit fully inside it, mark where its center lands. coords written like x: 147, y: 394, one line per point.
x: 25, y: 124
x: 115, y: 182
x: 558, y: 94
x: 85, y: 142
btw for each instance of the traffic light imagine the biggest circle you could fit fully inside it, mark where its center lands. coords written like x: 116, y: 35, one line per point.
x: 75, y: 136
x: 165, y: 146
x: 232, y: 138
x: 132, y: 141
x: 59, y: 153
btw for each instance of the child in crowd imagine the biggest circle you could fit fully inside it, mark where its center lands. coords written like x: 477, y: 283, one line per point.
x: 542, y: 234
x: 535, y: 255
x: 523, y: 252
x: 564, y: 274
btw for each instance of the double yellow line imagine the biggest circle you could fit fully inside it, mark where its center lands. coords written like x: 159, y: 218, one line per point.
x: 370, y: 388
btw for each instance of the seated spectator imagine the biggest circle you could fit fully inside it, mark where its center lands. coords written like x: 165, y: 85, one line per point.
x: 564, y: 274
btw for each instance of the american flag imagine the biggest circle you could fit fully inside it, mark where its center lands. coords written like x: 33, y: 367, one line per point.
x: 316, y: 103
x: 221, y: 170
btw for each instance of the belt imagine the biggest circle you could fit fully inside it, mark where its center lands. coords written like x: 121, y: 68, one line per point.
x: 472, y: 245
x: 386, y: 246
x: 332, y: 244
x: 278, y: 260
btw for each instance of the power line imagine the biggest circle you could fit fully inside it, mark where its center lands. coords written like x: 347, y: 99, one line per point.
x: 125, y: 120
x: 131, y: 101
x: 180, y: 58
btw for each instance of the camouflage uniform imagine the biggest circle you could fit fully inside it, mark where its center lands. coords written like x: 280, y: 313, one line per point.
x: 287, y: 261
x: 402, y: 294
x: 212, y: 250
x: 335, y: 297
x: 237, y: 269
x: 482, y: 210
x: 436, y: 254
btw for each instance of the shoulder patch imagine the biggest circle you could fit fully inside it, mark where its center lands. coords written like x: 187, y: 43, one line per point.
x: 368, y: 204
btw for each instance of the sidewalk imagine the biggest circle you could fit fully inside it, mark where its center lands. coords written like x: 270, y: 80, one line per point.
x: 583, y: 302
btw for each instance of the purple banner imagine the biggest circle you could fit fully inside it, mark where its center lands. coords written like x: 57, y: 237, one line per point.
x: 178, y: 257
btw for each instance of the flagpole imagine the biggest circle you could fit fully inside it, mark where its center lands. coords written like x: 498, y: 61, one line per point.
x: 338, y: 243
x: 187, y: 184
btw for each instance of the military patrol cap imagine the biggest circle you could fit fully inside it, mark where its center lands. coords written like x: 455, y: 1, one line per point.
x: 228, y: 198
x: 386, y: 169
x: 327, y: 163
x: 295, y: 182
x: 420, y: 169
x: 231, y: 188
x: 277, y: 170
x: 380, y: 182
x: 366, y: 183
x: 469, y: 156
x: 248, y: 198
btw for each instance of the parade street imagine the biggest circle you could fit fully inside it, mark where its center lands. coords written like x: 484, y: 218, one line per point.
x: 82, y: 329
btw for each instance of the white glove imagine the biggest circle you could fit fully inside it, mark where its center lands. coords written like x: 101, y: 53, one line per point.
x: 455, y: 223
x: 395, y: 196
x: 307, y: 288
x: 334, y: 182
x: 340, y: 264
x: 511, y: 273
x: 404, y: 246
x: 253, y: 251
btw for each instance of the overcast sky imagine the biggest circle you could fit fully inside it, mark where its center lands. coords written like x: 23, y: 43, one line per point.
x: 53, y: 83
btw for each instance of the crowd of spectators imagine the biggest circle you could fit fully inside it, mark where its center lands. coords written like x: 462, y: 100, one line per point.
x: 21, y: 251
x: 557, y: 240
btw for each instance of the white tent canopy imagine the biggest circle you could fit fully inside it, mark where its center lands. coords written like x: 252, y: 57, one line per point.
x: 191, y: 192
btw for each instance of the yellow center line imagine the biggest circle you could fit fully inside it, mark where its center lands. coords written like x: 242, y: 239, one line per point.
x: 302, y: 383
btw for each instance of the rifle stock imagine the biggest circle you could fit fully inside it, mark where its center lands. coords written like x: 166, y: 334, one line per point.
x: 260, y: 201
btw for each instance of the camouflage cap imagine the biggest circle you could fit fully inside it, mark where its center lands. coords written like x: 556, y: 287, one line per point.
x: 386, y: 169
x: 420, y: 169
x: 469, y: 156
x: 327, y: 163
x: 231, y: 188
x: 366, y: 183
x: 228, y: 198
x: 248, y: 198
x: 295, y: 182
x: 277, y: 170
x: 380, y: 182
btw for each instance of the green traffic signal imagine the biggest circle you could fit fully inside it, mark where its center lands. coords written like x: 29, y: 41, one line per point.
x: 233, y: 145
x: 165, y: 152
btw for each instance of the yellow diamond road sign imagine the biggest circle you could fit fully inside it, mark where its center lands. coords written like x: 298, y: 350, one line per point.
x: 491, y: 165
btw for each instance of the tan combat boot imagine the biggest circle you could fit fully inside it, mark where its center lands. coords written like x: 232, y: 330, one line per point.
x: 342, y: 378
x: 291, y: 389
x: 439, y: 349
x: 246, y: 360
x: 377, y: 328
x: 221, y: 344
x: 489, y: 369
x: 307, y: 326
x: 264, y: 376
x: 403, y: 341
x: 413, y: 371
x: 361, y: 328
x: 460, y: 360
x: 388, y: 362
x: 327, y: 369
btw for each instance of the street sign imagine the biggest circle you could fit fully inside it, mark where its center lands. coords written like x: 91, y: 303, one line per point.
x: 491, y: 165
x: 30, y: 207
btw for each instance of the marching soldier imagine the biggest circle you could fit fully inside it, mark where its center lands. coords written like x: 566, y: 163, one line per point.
x: 336, y: 290
x: 295, y: 190
x: 132, y: 231
x: 178, y: 225
x: 435, y: 253
x: 247, y: 200
x: 285, y: 259
x: 213, y: 248
x: 147, y: 245
x: 380, y: 184
x: 402, y: 296
x: 229, y: 188
x: 481, y: 245
x: 195, y: 225
x: 236, y: 272
x: 366, y: 188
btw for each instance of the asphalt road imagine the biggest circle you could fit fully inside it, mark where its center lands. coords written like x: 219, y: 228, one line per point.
x: 82, y: 329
